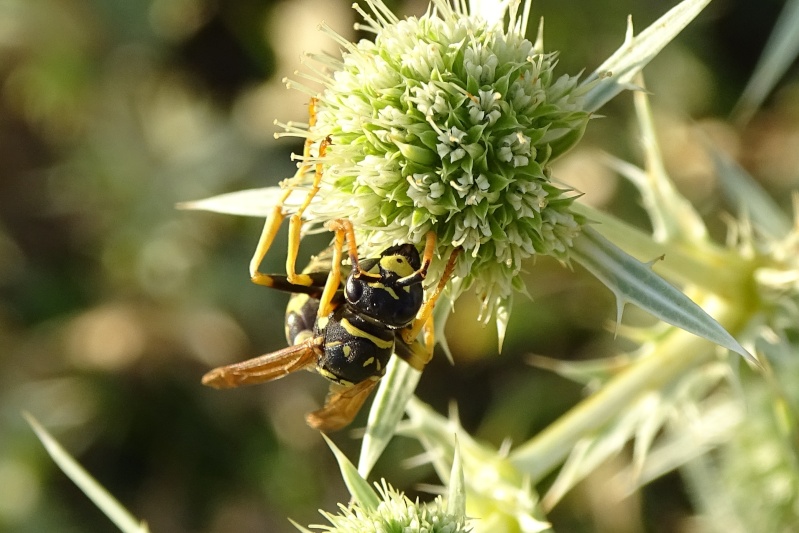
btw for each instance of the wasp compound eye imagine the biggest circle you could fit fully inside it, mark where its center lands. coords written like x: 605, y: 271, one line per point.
x: 353, y: 289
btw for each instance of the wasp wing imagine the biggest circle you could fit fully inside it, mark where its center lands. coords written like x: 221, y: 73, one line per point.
x: 343, y: 403
x: 265, y: 368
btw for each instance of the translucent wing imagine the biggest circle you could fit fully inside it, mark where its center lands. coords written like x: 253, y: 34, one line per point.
x: 265, y: 368
x: 343, y: 403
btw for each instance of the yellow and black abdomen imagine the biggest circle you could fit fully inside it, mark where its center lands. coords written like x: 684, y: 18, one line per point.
x: 300, y: 318
x: 356, y: 347
x: 303, y: 307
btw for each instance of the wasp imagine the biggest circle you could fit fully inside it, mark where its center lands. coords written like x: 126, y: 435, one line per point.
x: 346, y: 331
x: 349, y: 338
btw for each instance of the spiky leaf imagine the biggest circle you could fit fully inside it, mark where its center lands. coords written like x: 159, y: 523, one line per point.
x: 634, y: 282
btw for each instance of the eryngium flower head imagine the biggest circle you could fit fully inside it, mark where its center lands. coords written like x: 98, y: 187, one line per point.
x: 394, y: 514
x: 447, y: 122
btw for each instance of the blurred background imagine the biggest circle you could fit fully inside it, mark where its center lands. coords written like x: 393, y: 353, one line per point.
x: 113, y: 303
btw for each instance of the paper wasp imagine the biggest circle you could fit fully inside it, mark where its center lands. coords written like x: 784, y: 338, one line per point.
x: 346, y: 333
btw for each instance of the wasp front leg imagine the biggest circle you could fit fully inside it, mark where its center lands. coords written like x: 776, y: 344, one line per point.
x: 296, y: 220
x: 277, y: 215
x: 344, y: 234
x: 425, y: 314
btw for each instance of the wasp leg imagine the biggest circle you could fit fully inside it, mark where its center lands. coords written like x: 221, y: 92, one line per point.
x: 271, y: 227
x: 415, y: 354
x: 276, y: 217
x: 267, y: 367
x: 344, y: 231
x: 410, y: 333
x: 333, y: 283
x: 345, y: 227
x: 427, y: 257
x: 429, y: 337
x: 295, y: 223
x: 343, y: 403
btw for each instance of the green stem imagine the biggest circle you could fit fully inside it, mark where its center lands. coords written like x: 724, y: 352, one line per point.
x: 677, y: 353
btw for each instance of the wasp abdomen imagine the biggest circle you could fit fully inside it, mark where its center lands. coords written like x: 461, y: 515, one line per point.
x: 300, y: 318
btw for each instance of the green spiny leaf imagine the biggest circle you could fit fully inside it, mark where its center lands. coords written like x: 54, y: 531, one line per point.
x: 109, y: 505
x: 673, y: 217
x: 248, y: 203
x: 396, y: 387
x: 636, y: 52
x: 634, y: 282
x: 456, y: 494
x: 750, y: 199
x: 359, y: 488
x: 780, y: 51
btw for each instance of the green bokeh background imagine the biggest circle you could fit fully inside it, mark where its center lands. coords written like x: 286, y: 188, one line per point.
x: 113, y: 303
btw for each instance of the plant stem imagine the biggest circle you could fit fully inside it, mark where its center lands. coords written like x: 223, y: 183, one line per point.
x: 678, y: 352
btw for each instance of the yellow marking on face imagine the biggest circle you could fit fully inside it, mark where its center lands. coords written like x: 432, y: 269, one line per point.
x: 369, y: 361
x: 389, y: 290
x: 397, y: 265
x: 347, y: 351
x: 355, y: 332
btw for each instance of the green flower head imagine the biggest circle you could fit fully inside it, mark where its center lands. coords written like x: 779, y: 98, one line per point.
x: 447, y: 123
x: 394, y: 513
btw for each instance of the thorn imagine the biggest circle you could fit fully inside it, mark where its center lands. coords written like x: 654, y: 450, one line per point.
x: 655, y: 260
